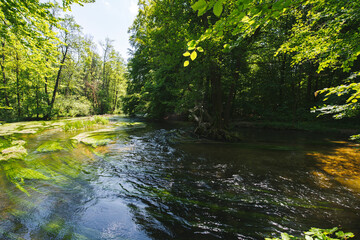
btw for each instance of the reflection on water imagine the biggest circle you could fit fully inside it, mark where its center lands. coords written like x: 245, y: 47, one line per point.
x: 137, y: 181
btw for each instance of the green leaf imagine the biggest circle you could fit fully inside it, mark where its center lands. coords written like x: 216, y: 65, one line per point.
x: 186, y: 63
x: 191, y: 48
x: 186, y: 54
x: 199, y: 5
x: 191, y: 44
x: 193, y: 55
x: 307, y: 237
x: 218, y: 8
x: 285, y: 236
x: 200, y: 49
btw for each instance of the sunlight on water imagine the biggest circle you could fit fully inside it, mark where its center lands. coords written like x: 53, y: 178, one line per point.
x: 341, y: 164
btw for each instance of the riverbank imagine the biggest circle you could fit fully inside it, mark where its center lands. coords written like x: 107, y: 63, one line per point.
x: 343, y: 128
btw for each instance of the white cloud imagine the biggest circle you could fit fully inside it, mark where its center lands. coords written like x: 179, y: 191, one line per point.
x: 133, y: 7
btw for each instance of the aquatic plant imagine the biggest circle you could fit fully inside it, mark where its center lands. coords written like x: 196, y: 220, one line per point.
x: 101, y: 120
x: 51, y: 146
x: 95, y: 138
x: 318, y: 234
x: 16, y: 150
x: 84, y: 124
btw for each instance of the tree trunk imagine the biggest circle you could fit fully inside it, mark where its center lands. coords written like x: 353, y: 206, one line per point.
x: 46, y: 91
x: 4, y: 76
x: 37, y: 102
x: 216, y: 98
x: 229, y: 102
x: 57, y: 82
x: 18, y: 86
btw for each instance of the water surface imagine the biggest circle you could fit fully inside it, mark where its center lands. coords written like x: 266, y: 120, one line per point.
x: 151, y: 181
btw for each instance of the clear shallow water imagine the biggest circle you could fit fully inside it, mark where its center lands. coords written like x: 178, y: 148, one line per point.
x: 150, y: 182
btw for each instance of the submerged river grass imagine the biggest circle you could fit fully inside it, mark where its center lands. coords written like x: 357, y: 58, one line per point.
x: 131, y: 180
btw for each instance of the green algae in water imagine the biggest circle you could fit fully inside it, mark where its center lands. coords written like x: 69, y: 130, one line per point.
x: 95, y: 138
x: 14, y: 152
x: 130, y: 124
x: 52, y: 146
x: 16, y: 172
x: 54, y: 227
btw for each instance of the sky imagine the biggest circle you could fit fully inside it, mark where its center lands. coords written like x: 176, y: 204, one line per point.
x: 107, y: 18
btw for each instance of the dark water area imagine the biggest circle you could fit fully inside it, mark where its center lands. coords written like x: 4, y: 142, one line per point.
x: 151, y: 181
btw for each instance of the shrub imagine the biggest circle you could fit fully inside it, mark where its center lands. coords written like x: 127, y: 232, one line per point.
x: 72, y: 106
x: 318, y: 234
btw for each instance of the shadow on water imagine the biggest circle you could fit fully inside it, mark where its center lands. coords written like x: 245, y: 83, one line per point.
x: 149, y: 181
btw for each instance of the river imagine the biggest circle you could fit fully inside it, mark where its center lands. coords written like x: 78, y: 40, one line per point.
x: 134, y: 180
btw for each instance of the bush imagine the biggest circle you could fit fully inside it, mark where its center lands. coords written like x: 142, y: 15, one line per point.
x: 318, y: 234
x: 71, y: 106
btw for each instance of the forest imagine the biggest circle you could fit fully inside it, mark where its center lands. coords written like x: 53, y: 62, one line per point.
x: 197, y: 137
x: 211, y: 62
x: 49, y: 68
x: 218, y: 61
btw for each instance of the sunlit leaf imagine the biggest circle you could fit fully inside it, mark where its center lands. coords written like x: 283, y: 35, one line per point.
x: 199, y: 5
x: 200, y: 49
x: 193, y: 55
x: 218, y: 8
x: 191, y: 44
x: 186, y: 54
x: 186, y: 63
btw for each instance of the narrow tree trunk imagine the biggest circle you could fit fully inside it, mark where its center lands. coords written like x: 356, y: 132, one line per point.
x: 4, y: 76
x: 18, y: 85
x: 57, y: 82
x: 46, y: 91
x: 282, y: 78
x: 37, y: 102
x: 216, y: 97
x: 229, y: 102
x: 309, y: 95
x: 115, y: 101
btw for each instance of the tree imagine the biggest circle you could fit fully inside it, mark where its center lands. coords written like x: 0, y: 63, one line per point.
x: 51, y: 69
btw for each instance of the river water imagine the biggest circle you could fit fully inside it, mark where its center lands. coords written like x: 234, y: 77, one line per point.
x: 151, y: 181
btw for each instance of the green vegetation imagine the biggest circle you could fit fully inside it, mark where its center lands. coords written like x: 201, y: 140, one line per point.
x: 213, y: 62
x: 48, y: 68
x: 17, y: 160
x: 50, y: 147
x: 248, y: 60
x: 85, y: 124
x: 318, y: 234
